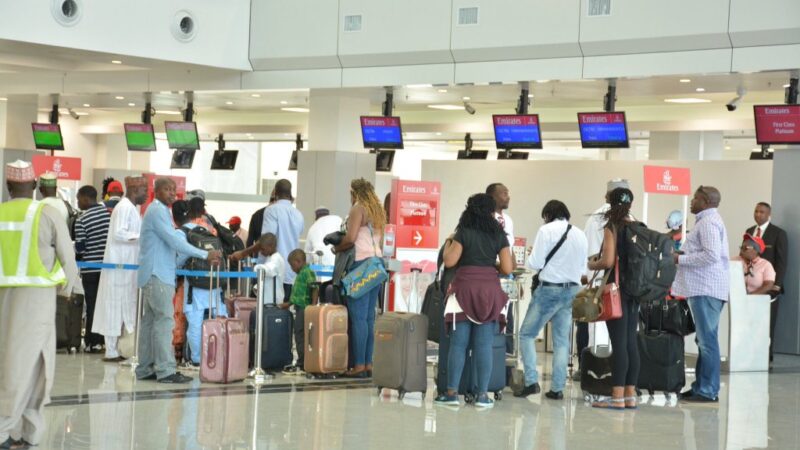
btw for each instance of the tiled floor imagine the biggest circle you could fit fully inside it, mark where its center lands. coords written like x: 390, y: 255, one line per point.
x: 100, y: 406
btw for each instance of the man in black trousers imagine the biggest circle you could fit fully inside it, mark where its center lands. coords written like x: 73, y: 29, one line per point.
x: 777, y: 253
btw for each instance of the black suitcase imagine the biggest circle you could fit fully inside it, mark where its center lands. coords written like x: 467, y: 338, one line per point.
x: 663, y: 365
x: 468, y: 384
x: 69, y: 318
x: 596, y: 370
x: 276, y: 339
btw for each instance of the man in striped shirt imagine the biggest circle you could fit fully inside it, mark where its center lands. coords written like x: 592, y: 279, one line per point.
x: 91, y: 232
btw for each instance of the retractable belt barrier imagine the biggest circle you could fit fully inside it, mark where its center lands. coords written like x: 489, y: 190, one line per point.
x: 319, y: 270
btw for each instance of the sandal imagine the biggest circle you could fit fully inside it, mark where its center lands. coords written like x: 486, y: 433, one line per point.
x: 633, y: 400
x: 617, y: 404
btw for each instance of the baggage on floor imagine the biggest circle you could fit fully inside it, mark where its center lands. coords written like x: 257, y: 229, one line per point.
x: 596, y: 370
x: 241, y: 307
x: 69, y: 318
x: 326, y: 342
x: 225, y: 344
x: 401, y: 343
x: 669, y: 315
x: 663, y: 366
x: 468, y: 386
x: 276, y: 335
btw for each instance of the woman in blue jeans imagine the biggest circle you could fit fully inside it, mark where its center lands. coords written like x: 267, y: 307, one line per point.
x: 476, y: 301
x: 364, y: 232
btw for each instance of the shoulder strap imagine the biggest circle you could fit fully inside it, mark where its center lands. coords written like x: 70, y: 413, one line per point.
x: 558, y: 246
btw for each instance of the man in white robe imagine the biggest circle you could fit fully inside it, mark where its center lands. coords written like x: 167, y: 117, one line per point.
x: 28, y: 306
x: 116, y: 296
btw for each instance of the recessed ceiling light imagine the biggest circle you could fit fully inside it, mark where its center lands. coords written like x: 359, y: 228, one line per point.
x: 530, y: 95
x: 700, y: 90
x: 284, y: 102
x: 687, y: 100
x: 727, y: 147
x: 131, y: 104
x: 249, y: 134
x: 165, y: 92
x: 300, y: 110
x: 250, y: 137
x: 442, y: 91
x: 2, y: 99
x: 465, y: 98
x: 86, y: 105
x: 170, y: 113
x: 786, y: 85
x: 119, y: 97
x: 685, y: 80
x: 255, y: 95
x: 229, y: 102
x: 446, y: 107
x: 81, y: 113
x: 542, y: 81
x: 116, y: 61
x: 419, y: 86
x: 438, y: 134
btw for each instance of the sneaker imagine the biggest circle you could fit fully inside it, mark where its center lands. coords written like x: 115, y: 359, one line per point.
x: 293, y: 370
x: 484, y: 402
x: 529, y: 390
x: 175, y: 378
x: 11, y: 444
x: 188, y: 365
x: 447, y: 400
x: 554, y: 395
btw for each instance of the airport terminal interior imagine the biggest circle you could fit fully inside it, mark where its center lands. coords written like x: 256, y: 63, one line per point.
x: 430, y: 101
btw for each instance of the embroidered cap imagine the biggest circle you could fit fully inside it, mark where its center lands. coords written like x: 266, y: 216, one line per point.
x: 48, y: 179
x: 19, y: 172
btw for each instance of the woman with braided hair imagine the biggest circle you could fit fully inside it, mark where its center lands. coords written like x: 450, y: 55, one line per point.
x: 364, y: 232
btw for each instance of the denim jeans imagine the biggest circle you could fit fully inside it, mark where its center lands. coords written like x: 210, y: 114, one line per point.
x: 156, y: 354
x: 549, y: 304
x: 481, y: 336
x: 361, y: 313
x: 706, y: 312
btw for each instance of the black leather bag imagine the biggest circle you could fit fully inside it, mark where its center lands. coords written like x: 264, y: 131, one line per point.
x: 667, y: 315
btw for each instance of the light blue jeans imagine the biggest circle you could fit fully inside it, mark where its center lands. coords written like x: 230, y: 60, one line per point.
x: 706, y: 312
x: 549, y: 304
x: 481, y: 336
x: 361, y: 313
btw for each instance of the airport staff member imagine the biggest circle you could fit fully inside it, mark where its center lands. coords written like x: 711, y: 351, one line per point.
x: 37, y: 257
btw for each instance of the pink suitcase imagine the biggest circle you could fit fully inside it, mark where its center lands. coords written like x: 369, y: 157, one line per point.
x: 225, y: 347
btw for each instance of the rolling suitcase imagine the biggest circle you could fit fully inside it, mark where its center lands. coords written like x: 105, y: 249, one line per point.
x: 662, y: 361
x: 401, y: 342
x: 276, y: 338
x: 69, y: 315
x: 224, y: 346
x: 239, y: 304
x: 326, y: 342
x: 595, y: 366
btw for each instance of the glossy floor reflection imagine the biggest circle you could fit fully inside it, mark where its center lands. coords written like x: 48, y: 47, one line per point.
x: 100, y: 406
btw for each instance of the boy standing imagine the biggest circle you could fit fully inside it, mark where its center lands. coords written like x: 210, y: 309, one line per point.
x: 301, y: 297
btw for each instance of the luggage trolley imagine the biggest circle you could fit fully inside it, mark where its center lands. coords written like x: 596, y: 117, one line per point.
x: 514, y: 287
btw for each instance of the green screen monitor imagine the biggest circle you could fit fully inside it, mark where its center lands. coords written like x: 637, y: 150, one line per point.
x: 182, y: 135
x: 47, y: 136
x: 140, y: 137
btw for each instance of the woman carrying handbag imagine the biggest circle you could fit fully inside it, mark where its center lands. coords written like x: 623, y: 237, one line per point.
x: 622, y: 331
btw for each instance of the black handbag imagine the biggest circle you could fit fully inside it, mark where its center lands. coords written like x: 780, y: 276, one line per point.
x: 434, y: 303
x: 535, y: 280
x: 669, y: 315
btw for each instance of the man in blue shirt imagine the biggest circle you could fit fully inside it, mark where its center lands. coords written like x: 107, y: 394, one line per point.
x: 284, y: 221
x: 159, y: 247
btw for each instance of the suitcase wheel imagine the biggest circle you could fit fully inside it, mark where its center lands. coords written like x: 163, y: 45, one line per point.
x: 380, y: 389
x: 400, y: 394
x: 498, y: 395
x: 469, y: 399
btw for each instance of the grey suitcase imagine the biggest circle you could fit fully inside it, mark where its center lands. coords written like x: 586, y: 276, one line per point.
x: 401, y: 341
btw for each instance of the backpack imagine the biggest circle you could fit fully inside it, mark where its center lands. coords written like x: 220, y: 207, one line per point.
x: 230, y: 242
x: 203, y: 239
x: 650, y: 267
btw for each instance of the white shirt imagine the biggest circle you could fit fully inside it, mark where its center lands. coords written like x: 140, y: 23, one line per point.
x: 59, y: 205
x: 594, y: 231
x: 322, y: 227
x: 569, y: 262
x: 508, y: 226
x: 763, y: 229
x: 275, y: 267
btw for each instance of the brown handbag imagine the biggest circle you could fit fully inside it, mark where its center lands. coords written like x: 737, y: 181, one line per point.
x: 598, y: 303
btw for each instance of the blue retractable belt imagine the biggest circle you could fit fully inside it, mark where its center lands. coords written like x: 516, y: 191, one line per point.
x: 247, y: 272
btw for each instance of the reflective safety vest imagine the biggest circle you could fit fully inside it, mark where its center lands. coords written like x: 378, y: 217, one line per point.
x: 20, y: 265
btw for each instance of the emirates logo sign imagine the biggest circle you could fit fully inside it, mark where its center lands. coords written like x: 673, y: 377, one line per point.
x: 667, y: 180
x: 666, y: 183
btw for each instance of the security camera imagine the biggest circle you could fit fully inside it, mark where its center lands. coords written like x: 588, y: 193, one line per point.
x: 733, y: 104
x: 469, y: 108
x: 73, y: 114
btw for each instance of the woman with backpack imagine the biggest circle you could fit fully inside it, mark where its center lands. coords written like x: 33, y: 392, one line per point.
x: 622, y: 331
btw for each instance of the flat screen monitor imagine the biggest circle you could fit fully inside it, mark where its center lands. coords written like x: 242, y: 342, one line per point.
x: 758, y: 156
x: 777, y: 124
x: 293, y: 161
x: 517, y: 131
x: 182, y: 135
x: 513, y: 155
x: 473, y: 154
x: 603, y: 130
x: 140, y: 137
x: 381, y: 132
x: 224, y: 159
x: 384, y: 160
x: 47, y: 136
x: 182, y: 159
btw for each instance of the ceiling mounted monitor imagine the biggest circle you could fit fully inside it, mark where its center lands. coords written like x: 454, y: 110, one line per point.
x: 182, y: 159
x: 384, y: 160
x: 293, y: 161
x: 777, y: 124
x: 47, y: 136
x: 517, y: 131
x: 224, y: 159
x: 473, y: 154
x: 182, y: 135
x: 381, y: 132
x: 513, y: 155
x: 140, y: 137
x: 603, y: 130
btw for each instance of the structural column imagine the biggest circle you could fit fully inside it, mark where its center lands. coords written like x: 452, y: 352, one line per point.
x: 686, y: 145
x: 17, y: 112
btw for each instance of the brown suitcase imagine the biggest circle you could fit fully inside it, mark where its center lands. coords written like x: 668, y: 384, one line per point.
x: 401, y: 343
x: 326, y: 343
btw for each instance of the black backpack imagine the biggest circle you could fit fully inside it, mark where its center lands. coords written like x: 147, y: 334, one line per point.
x: 650, y: 269
x: 230, y: 242
x: 203, y: 239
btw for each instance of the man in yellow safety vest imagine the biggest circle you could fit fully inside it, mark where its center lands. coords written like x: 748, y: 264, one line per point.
x: 36, y: 258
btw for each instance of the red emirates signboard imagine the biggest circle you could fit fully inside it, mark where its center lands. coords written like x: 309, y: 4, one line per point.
x: 415, y: 212
x: 667, y: 180
x: 777, y: 124
x: 64, y: 168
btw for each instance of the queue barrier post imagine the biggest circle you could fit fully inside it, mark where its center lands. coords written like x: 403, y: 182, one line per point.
x: 257, y: 374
